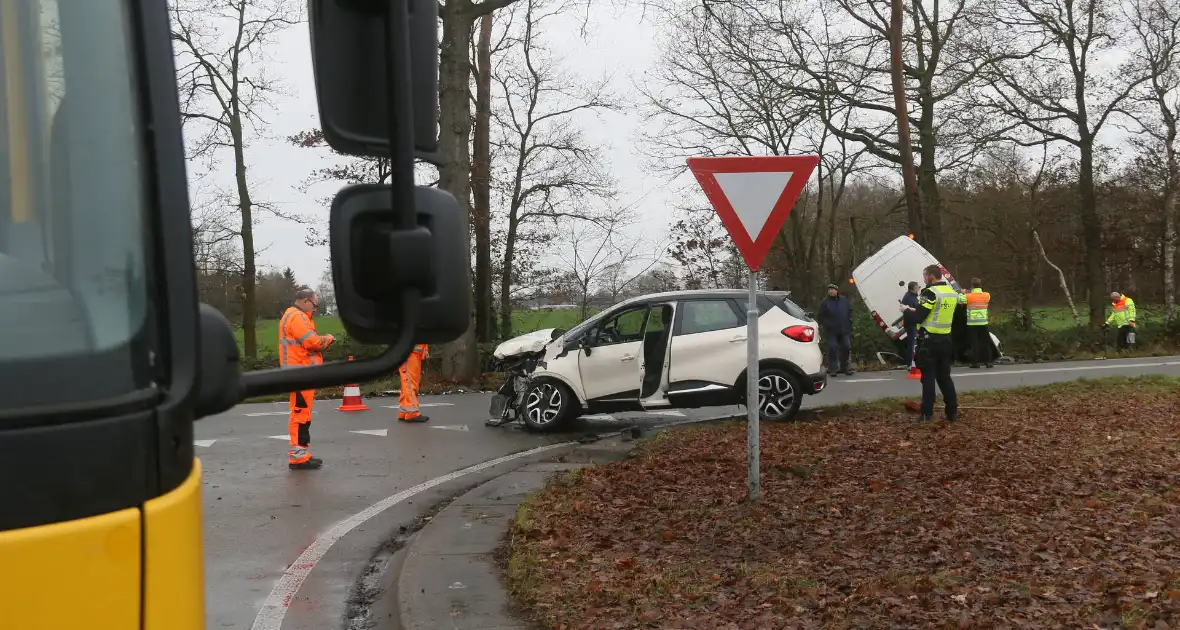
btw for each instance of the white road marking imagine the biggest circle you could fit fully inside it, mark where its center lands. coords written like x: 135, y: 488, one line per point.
x: 860, y: 380
x: 452, y: 427
x: 422, y: 405
x: 267, y: 413
x: 274, y: 609
x: 381, y: 432
x: 279, y: 437
x: 205, y: 443
x: 1103, y: 366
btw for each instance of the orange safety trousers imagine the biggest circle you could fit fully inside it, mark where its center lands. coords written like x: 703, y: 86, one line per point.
x: 299, y: 426
x: 411, y: 377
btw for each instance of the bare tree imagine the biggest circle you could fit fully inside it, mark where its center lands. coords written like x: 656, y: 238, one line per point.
x: 1156, y: 56
x: 349, y: 170
x: 224, y: 90
x: 481, y: 182
x: 600, y: 256
x: 1055, y: 94
x: 459, y: 359
x: 550, y: 173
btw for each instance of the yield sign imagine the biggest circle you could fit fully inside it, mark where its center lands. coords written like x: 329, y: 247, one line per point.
x: 753, y: 196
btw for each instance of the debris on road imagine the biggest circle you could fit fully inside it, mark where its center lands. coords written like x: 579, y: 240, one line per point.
x: 1031, y: 517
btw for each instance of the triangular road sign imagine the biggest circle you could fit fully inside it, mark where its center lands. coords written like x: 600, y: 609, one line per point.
x: 753, y: 195
x: 204, y: 443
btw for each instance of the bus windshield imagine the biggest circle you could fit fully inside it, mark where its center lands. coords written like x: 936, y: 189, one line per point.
x: 73, y: 287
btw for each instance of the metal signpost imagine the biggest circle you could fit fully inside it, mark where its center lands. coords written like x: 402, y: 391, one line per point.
x: 753, y: 196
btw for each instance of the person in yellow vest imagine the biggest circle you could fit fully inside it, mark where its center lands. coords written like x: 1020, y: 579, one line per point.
x: 981, y: 340
x: 1122, y: 317
x: 936, y: 350
x: 409, y: 409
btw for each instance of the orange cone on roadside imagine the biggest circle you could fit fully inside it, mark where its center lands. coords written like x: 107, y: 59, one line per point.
x: 352, y: 398
x: 915, y: 373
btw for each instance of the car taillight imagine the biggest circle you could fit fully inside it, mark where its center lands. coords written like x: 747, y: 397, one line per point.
x: 800, y: 333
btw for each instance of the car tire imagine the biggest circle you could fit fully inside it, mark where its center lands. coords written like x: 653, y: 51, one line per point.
x: 779, y: 395
x: 548, y: 404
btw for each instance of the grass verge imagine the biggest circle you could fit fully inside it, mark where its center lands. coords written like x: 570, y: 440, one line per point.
x: 1051, y: 507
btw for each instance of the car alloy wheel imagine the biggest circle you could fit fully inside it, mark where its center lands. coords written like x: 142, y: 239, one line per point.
x: 776, y: 396
x: 543, y: 404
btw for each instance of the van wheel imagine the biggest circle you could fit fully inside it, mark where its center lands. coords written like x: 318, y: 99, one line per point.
x: 779, y: 395
x: 547, y: 405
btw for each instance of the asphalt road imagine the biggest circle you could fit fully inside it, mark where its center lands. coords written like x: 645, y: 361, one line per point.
x: 260, y: 516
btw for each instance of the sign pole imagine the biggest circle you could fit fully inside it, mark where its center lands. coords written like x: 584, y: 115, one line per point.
x: 753, y: 480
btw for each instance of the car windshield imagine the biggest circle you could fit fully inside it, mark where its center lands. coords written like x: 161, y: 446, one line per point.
x: 73, y: 291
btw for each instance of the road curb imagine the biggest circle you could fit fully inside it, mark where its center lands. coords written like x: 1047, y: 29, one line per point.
x: 449, y: 578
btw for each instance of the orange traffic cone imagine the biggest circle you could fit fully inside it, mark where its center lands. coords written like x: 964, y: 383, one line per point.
x: 352, y: 398
x: 915, y: 373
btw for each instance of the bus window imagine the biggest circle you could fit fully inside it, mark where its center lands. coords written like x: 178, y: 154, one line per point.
x: 73, y: 223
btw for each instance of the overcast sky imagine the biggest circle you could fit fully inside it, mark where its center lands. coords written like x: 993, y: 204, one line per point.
x: 616, y: 42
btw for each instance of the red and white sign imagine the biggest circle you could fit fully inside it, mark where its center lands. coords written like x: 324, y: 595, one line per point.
x: 753, y: 195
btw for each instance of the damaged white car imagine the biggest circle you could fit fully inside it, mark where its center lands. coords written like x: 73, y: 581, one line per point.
x: 679, y: 350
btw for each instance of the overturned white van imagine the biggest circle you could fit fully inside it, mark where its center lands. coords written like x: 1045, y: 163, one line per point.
x: 881, y: 281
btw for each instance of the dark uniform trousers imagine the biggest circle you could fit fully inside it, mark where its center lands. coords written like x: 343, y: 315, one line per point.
x: 936, y: 355
x: 981, y: 344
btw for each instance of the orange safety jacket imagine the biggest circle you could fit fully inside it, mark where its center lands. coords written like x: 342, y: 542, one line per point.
x: 299, y: 344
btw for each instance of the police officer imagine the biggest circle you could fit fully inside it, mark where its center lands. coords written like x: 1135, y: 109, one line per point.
x: 936, y: 351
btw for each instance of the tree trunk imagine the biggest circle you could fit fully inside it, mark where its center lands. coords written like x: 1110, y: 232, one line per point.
x: 249, y: 273
x: 931, y: 200
x: 1171, y: 193
x: 1064, y: 285
x: 506, y: 281
x: 481, y: 176
x: 459, y: 360
x: 1091, y: 233
x: 913, y: 205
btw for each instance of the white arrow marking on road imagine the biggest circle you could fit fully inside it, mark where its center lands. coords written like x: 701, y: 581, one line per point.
x: 205, y: 443
x: 270, y: 616
x: 381, y: 432
x: 267, y: 413
x: 452, y: 427
x: 279, y: 437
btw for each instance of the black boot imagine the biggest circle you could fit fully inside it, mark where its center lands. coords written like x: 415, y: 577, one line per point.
x: 312, y: 463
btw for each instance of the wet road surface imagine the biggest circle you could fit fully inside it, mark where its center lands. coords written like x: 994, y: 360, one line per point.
x: 260, y: 516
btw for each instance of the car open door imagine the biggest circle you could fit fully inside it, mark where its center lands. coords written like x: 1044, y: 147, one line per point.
x: 610, y: 358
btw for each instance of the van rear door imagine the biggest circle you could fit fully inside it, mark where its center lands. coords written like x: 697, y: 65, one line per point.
x: 882, y: 278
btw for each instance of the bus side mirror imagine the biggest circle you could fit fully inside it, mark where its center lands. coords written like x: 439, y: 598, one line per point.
x: 353, y: 57
x: 373, y: 262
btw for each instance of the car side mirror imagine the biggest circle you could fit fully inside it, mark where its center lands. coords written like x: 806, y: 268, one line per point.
x: 357, y: 58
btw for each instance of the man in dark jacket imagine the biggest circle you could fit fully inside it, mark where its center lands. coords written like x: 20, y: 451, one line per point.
x: 835, y: 317
x: 909, y: 314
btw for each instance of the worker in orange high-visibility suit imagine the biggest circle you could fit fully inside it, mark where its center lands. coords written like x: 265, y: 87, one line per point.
x: 411, y: 375
x: 300, y: 346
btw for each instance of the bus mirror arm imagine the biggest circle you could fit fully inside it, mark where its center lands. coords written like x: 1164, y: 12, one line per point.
x: 286, y: 380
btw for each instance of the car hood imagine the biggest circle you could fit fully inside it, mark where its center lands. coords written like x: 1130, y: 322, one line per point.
x: 525, y: 344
